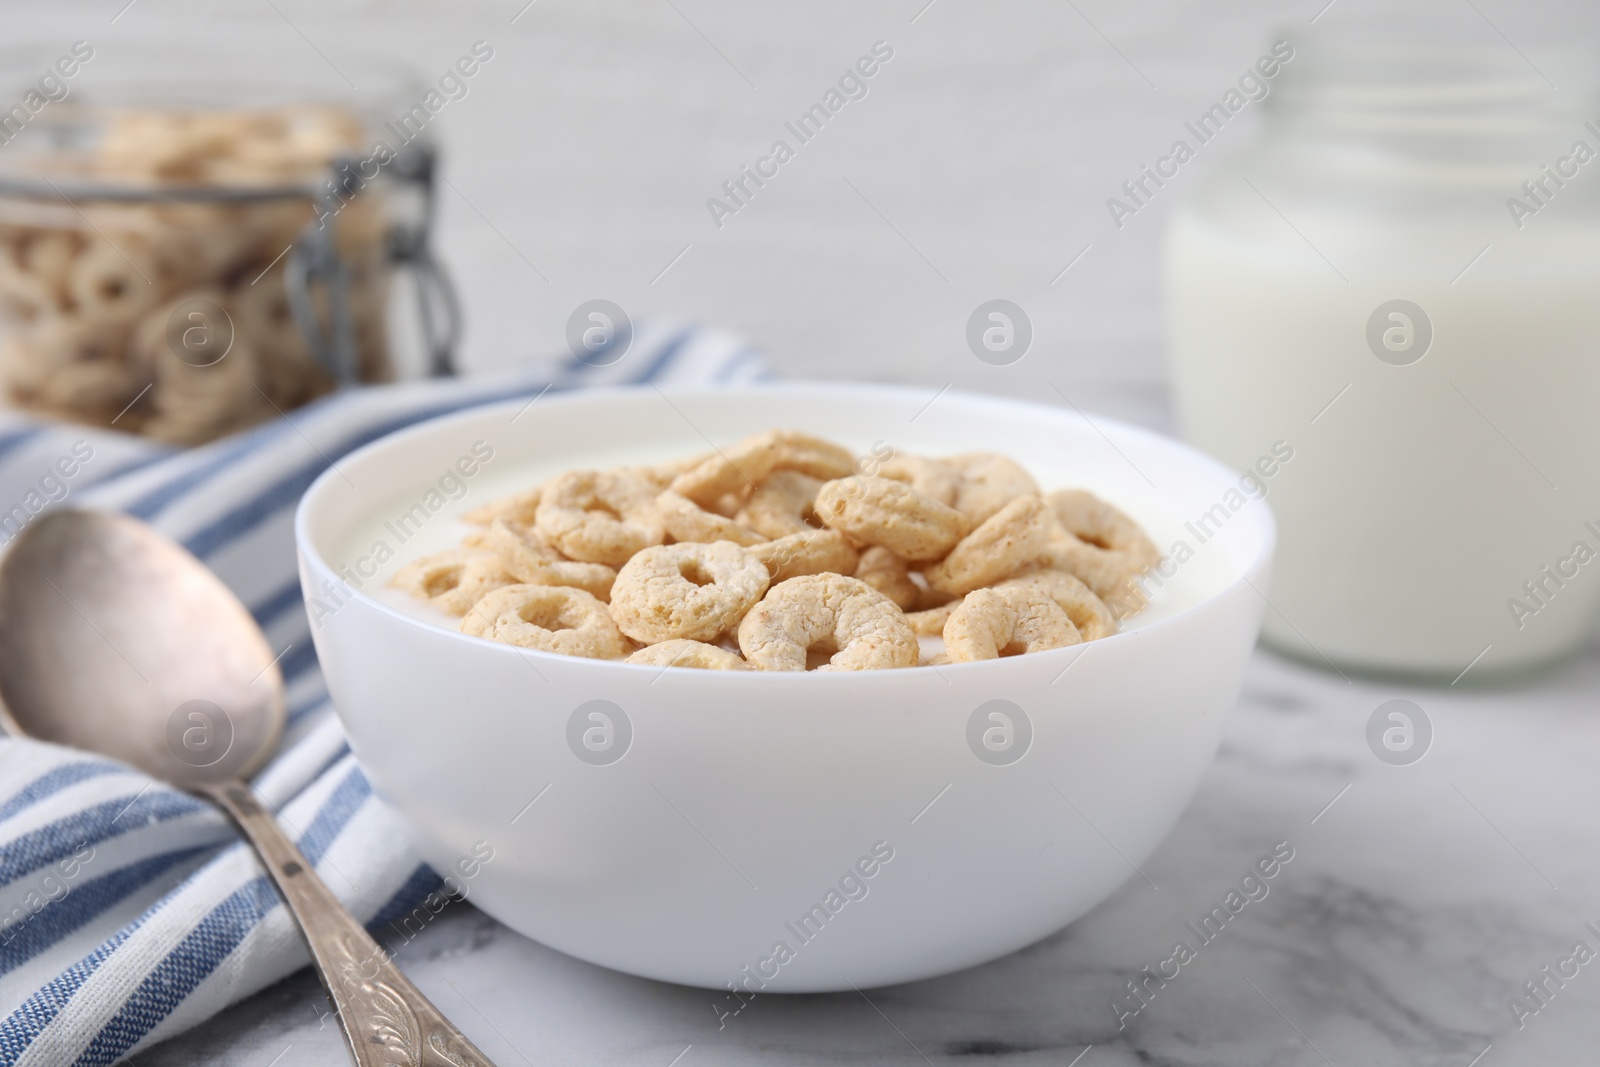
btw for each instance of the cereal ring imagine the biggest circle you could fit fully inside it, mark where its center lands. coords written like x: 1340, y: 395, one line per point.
x: 25, y: 298
x: 736, y: 470
x: 727, y: 505
x: 49, y: 256
x: 1088, y: 612
x: 827, y: 615
x: 812, y: 455
x: 684, y: 520
x: 518, y: 509
x: 261, y: 313
x: 782, y: 505
x: 689, y: 590
x: 811, y: 552
x: 889, y: 575
x: 742, y: 467
x: 207, y: 401
x: 201, y: 244
x: 988, y: 483
x: 550, y: 618
x: 681, y: 653
x: 1091, y: 519
x: 1007, y: 542
x: 101, y: 388
x: 933, y: 478
x: 991, y: 623
x: 193, y: 403
x: 453, y: 580
x: 600, y: 516
x: 663, y: 473
x: 19, y: 367
x: 150, y: 348
x: 73, y: 366
x: 62, y: 340
x: 114, y: 281
x: 531, y: 559
x: 1109, y: 574
x: 930, y: 623
x: 881, y: 511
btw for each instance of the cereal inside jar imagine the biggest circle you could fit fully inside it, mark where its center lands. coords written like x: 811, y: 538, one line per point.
x: 186, y: 270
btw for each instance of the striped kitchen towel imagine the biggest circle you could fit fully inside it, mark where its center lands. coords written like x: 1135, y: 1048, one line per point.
x: 129, y: 911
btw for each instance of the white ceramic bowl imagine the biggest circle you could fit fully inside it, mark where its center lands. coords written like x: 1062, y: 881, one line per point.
x: 743, y: 803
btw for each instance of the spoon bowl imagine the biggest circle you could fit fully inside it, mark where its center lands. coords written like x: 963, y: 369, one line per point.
x: 114, y: 639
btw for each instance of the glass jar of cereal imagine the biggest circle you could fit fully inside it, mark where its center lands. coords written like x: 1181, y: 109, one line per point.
x: 182, y: 260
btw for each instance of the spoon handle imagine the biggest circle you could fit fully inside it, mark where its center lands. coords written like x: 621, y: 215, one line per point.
x: 385, y: 1018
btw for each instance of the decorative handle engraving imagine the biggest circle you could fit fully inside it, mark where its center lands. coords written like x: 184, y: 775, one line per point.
x: 386, y: 1019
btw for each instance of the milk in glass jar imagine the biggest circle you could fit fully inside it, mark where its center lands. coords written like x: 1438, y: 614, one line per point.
x: 1399, y: 282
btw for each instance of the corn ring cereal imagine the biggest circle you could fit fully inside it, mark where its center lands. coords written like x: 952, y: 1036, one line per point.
x: 991, y: 623
x: 1108, y: 573
x: 688, y: 590
x: 742, y: 467
x: 600, y: 516
x: 453, y: 580
x: 1091, y: 519
x: 782, y: 504
x: 684, y: 520
x: 881, y: 511
x: 930, y: 622
x: 1010, y: 540
x: 530, y: 558
x: 549, y: 618
x: 988, y: 483
x: 519, y: 509
x: 811, y: 552
x: 842, y: 621
x: 114, y: 281
x: 933, y: 478
x: 682, y: 653
x: 808, y: 571
x: 889, y: 575
x: 1088, y: 612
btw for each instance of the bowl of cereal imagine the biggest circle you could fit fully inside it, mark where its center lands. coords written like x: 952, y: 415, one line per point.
x: 786, y: 688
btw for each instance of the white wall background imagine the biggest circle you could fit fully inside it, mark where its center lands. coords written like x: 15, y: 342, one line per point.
x: 989, y: 144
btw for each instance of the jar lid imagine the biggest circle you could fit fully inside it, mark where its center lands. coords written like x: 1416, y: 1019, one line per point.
x: 1366, y: 85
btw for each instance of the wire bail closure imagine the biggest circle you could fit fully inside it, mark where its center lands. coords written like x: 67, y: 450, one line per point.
x: 314, y: 261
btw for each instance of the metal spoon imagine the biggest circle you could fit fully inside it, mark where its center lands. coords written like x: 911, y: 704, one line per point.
x: 116, y: 640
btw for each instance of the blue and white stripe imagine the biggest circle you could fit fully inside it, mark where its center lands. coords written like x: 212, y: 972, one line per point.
x: 169, y: 918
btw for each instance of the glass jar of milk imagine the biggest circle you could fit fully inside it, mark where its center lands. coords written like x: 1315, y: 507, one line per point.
x: 1400, y: 281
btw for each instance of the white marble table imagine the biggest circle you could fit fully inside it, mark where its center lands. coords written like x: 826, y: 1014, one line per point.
x: 1415, y: 906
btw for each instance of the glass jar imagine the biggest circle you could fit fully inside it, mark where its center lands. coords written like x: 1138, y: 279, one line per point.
x: 188, y: 257
x: 1392, y: 294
